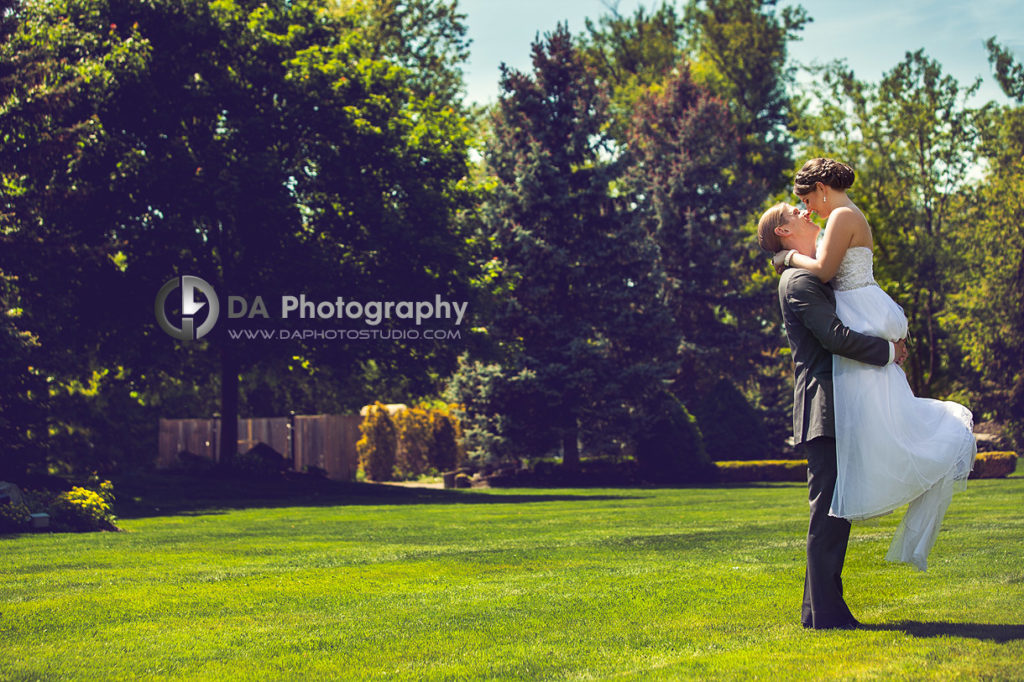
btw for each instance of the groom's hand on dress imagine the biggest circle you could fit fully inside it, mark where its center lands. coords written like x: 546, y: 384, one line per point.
x: 901, y: 351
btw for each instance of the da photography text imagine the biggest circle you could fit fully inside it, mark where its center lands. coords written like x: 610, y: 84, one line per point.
x: 370, y: 312
x: 187, y: 308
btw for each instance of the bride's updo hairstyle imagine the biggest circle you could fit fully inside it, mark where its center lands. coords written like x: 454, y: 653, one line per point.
x: 826, y: 171
x: 776, y: 216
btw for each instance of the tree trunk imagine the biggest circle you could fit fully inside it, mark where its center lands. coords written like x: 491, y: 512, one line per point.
x: 228, y: 406
x: 570, y: 446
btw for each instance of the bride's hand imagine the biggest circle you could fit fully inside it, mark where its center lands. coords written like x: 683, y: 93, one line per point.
x: 778, y: 261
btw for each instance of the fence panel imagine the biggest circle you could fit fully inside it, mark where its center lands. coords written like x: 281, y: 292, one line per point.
x: 328, y: 442
x: 198, y: 436
x: 272, y: 431
x: 325, y: 441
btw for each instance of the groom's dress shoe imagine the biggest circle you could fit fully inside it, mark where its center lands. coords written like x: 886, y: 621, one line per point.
x: 851, y: 624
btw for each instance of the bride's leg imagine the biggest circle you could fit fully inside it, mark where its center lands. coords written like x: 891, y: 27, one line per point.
x: 919, y: 528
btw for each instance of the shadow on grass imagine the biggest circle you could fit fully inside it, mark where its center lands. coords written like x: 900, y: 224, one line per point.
x: 994, y: 632
x: 176, y: 494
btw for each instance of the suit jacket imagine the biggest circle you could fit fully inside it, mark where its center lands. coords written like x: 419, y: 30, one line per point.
x: 815, y: 333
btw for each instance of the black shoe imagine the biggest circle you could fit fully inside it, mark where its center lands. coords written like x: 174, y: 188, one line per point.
x: 851, y: 624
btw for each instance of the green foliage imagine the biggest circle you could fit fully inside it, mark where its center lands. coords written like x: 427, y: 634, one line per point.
x: 671, y: 448
x: 84, y: 509
x: 987, y: 317
x: 912, y: 140
x: 738, y: 50
x: 632, y: 54
x: 1008, y: 71
x: 378, y: 445
x: 261, y: 146
x: 730, y: 427
x: 485, y: 410
x: 446, y: 451
x: 582, y: 333
x: 986, y: 465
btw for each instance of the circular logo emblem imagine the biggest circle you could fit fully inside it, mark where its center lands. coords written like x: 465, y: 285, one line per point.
x: 189, y: 307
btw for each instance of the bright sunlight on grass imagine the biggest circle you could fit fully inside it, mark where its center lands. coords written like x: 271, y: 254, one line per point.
x: 566, y: 584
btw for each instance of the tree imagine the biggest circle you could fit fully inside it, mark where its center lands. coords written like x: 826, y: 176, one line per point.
x: 582, y: 332
x: 912, y: 140
x: 632, y: 54
x: 738, y: 50
x: 682, y: 153
x: 700, y: 101
x: 427, y: 37
x: 988, y: 316
x: 257, y: 144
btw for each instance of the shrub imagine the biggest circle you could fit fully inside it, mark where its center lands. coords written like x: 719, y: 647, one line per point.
x: 749, y: 471
x: 987, y: 465
x: 446, y: 451
x: 414, y: 433
x: 994, y: 464
x: 487, y: 407
x: 14, y: 518
x: 378, y: 444
x: 261, y: 460
x: 83, y: 509
x: 671, y: 448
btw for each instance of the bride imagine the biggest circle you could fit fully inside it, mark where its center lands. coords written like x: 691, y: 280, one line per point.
x: 892, y: 448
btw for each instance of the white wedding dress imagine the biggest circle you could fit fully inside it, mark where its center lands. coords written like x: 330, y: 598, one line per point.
x: 892, y: 448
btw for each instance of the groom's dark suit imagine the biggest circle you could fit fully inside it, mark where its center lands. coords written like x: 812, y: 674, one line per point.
x: 815, y: 333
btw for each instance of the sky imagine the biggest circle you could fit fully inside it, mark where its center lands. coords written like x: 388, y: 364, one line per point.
x: 871, y: 35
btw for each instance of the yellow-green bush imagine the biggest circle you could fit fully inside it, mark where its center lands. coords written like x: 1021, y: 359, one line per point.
x: 83, y: 509
x: 994, y: 464
x: 378, y: 444
x: 987, y: 465
x: 428, y: 439
x: 762, y: 470
x: 414, y: 429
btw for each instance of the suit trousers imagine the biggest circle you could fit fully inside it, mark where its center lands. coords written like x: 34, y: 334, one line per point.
x: 827, y: 538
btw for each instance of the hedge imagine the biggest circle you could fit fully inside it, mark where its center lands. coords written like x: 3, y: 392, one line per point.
x: 749, y: 471
x: 987, y: 465
x: 994, y: 464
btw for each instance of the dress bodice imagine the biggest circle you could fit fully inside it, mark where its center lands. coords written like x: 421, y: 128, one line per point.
x: 855, y: 270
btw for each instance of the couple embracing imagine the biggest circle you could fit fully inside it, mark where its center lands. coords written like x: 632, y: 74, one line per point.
x: 871, y: 445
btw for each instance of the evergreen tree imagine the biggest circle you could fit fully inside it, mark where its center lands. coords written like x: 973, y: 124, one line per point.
x: 584, y: 337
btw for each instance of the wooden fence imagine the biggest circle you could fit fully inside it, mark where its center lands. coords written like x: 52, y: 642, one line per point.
x: 325, y: 441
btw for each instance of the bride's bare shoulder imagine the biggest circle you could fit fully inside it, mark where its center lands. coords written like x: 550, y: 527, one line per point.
x: 851, y: 221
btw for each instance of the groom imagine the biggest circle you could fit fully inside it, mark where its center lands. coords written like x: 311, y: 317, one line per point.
x: 815, y: 333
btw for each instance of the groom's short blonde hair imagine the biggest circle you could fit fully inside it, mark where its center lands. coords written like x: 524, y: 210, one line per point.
x: 776, y: 216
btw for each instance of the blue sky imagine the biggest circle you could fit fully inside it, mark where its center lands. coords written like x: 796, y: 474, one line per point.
x: 871, y: 35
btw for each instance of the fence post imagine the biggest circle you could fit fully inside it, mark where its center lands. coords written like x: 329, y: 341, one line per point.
x: 291, y: 437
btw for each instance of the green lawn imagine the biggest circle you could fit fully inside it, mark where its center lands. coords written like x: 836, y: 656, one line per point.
x: 507, y: 584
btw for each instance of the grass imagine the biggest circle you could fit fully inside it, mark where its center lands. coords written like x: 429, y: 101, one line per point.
x: 372, y: 582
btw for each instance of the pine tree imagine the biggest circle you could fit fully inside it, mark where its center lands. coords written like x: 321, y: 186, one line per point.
x: 585, y: 336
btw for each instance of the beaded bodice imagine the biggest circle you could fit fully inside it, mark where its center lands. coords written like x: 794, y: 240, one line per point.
x: 855, y: 270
